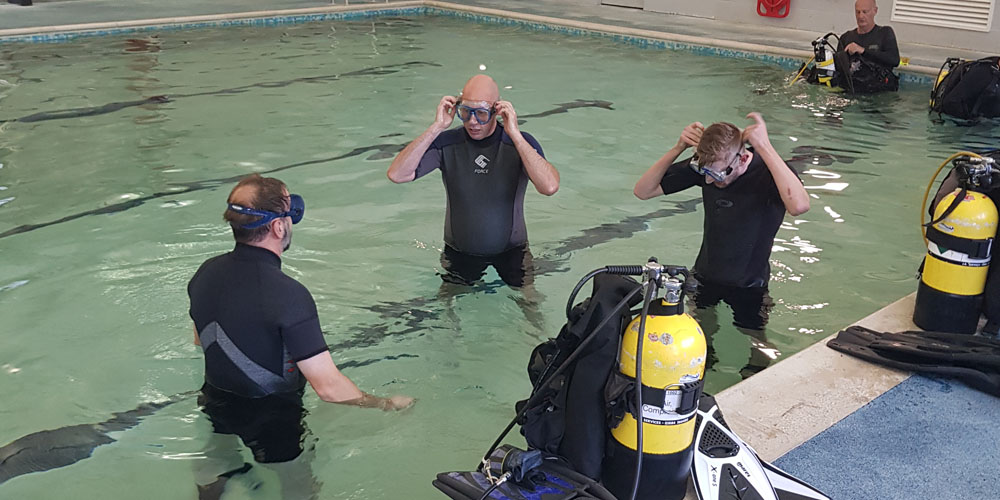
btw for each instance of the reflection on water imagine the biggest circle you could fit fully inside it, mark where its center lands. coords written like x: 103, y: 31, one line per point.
x: 94, y: 276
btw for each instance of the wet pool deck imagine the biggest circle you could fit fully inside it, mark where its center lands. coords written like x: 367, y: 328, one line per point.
x: 854, y: 430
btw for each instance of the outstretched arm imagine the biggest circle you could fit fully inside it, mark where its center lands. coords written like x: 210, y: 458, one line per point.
x: 543, y: 175
x: 648, y: 185
x: 333, y: 386
x: 404, y: 166
x: 793, y: 193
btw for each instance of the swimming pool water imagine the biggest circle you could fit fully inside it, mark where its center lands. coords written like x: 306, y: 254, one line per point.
x: 110, y: 197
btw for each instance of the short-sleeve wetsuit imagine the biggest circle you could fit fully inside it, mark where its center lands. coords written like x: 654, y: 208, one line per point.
x: 741, y: 221
x: 254, y: 323
x: 484, y: 182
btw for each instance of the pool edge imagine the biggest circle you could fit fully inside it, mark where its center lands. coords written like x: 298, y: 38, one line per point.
x: 786, y: 57
x: 784, y: 406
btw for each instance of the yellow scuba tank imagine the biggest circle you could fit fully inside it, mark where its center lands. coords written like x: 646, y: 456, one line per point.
x: 941, y: 75
x: 946, y: 68
x: 673, y: 351
x: 959, y: 249
x: 823, y: 56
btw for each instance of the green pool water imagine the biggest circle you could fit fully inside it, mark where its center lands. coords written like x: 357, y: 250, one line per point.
x: 111, y: 198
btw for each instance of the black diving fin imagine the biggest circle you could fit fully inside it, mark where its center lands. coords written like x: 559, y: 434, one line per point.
x: 726, y: 468
x: 972, y: 359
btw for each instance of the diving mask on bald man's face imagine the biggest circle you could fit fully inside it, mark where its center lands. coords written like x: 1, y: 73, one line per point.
x: 296, y: 209
x: 482, y: 111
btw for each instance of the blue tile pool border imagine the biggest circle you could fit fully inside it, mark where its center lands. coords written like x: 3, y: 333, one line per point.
x: 642, y: 42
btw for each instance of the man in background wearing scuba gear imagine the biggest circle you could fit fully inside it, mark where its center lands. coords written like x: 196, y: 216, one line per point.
x: 485, y: 167
x: 868, y: 44
x: 746, y: 193
x: 262, y: 341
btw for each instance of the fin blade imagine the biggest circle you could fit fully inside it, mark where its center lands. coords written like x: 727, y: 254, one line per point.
x: 789, y: 487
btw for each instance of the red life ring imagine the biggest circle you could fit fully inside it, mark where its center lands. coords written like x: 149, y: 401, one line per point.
x: 773, y: 8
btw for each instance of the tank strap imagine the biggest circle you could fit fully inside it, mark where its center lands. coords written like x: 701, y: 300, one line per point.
x: 975, y: 249
x: 688, y: 395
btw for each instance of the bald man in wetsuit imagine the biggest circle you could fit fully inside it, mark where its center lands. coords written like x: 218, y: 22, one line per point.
x: 485, y: 166
x: 868, y: 42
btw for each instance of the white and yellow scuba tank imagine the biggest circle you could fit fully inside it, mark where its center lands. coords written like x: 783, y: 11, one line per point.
x: 823, y: 69
x: 959, y: 249
x: 823, y: 52
x: 668, y: 348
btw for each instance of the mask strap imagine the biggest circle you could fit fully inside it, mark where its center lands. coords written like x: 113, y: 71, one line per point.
x: 265, y: 216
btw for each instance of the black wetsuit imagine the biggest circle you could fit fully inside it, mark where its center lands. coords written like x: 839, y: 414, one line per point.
x: 254, y: 324
x: 870, y: 71
x: 741, y: 221
x: 484, y: 183
x: 879, y: 44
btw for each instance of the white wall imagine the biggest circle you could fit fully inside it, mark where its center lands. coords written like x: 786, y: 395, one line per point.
x: 809, y: 15
x: 822, y: 16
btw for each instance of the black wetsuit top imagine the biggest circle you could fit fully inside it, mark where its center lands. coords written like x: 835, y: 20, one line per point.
x: 879, y: 44
x: 254, y: 323
x: 484, y: 183
x: 740, y: 223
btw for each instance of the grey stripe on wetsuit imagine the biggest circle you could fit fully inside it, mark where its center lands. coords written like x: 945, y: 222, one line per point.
x: 266, y: 380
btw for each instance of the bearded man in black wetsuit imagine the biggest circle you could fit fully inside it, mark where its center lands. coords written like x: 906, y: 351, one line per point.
x: 485, y: 167
x: 869, y: 43
x: 261, y: 337
x: 746, y: 193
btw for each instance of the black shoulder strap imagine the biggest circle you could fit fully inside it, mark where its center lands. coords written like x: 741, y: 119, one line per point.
x: 975, y: 249
x: 951, y: 208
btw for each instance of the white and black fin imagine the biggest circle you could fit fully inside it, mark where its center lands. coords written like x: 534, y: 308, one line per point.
x: 726, y: 468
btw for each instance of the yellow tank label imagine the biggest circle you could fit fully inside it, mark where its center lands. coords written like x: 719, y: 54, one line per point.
x: 656, y: 439
x: 953, y: 278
